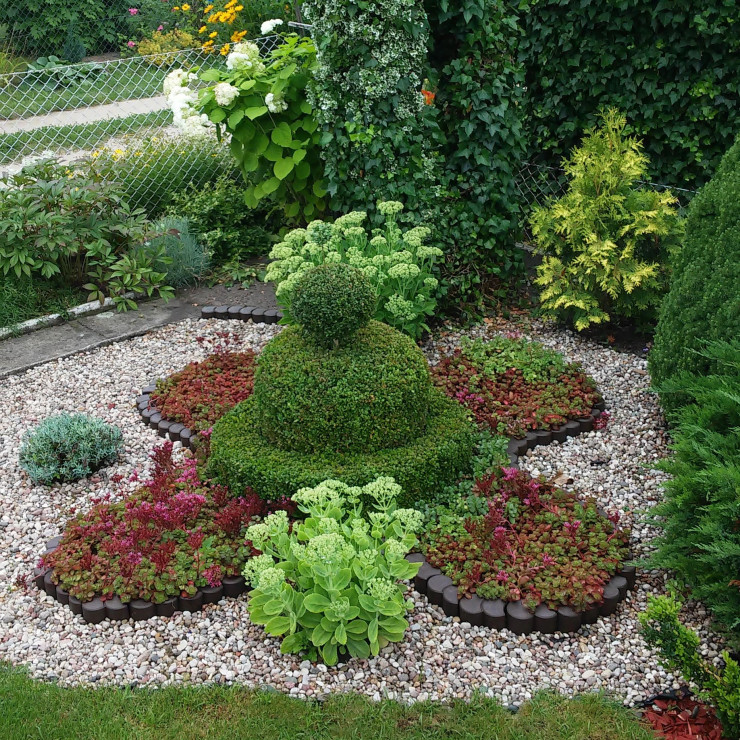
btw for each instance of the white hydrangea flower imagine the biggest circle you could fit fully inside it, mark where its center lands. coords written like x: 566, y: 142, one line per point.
x: 225, y: 93
x: 174, y: 79
x: 269, y: 26
x: 245, y: 57
x: 275, y: 103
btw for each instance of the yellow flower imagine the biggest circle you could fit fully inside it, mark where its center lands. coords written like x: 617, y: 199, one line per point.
x: 237, y: 36
x: 212, y: 18
x: 177, y: 7
x: 118, y: 151
x: 213, y: 34
x: 202, y: 29
x: 230, y: 4
x: 225, y: 49
x: 238, y: 8
x: 207, y: 9
x: 185, y: 7
x: 207, y: 44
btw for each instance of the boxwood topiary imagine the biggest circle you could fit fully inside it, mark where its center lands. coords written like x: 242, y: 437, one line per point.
x: 241, y: 457
x: 369, y: 395
x: 703, y: 303
x: 68, y: 447
x: 331, y: 302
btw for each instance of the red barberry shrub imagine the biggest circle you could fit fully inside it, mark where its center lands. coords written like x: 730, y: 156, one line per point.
x: 534, y: 542
x: 171, y: 536
x: 202, y: 392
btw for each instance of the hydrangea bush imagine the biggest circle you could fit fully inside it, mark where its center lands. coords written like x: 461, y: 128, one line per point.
x: 399, y: 264
x: 260, y: 103
x: 329, y: 584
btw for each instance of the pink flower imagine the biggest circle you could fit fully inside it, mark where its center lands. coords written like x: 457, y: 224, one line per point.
x: 133, y: 11
x: 510, y: 473
x: 159, y: 28
x: 502, y: 576
x: 131, y: 44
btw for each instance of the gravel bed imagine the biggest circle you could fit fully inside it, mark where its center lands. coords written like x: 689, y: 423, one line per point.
x: 440, y: 658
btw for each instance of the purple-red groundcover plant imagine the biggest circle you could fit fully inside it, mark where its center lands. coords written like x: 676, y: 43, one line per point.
x: 534, y: 542
x: 202, y: 392
x: 512, y: 386
x: 171, y: 536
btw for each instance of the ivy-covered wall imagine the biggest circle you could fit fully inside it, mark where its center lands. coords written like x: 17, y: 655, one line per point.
x: 672, y: 66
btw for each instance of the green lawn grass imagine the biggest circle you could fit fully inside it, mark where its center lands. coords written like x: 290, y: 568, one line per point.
x: 72, y: 138
x: 21, y: 299
x: 30, y: 709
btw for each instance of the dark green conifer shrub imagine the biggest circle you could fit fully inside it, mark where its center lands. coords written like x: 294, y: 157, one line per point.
x: 701, y: 511
x: 703, y: 303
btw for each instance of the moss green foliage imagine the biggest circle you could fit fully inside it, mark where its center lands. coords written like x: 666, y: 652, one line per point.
x: 605, y: 243
x: 647, y: 59
x: 68, y: 447
x: 679, y: 650
x: 703, y: 303
x: 701, y: 510
x: 241, y: 457
x: 331, y: 302
x: 369, y: 395
x: 226, y: 712
x: 329, y: 584
x: 366, y: 92
x: 187, y: 260
x: 478, y: 107
x: 217, y: 214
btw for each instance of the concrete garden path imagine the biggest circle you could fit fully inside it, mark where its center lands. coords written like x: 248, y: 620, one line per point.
x: 21, y: 353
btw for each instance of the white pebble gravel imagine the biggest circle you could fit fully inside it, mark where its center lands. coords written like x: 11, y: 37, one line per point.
x: 440, y: 658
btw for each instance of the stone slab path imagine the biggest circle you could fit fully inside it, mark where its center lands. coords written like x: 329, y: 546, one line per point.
x: 18, y: 354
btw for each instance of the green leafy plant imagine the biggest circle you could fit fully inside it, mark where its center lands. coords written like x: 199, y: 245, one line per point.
x: 398, y: 263
x: 682, y: 56
x: 605, y: 243
x: 216, y: 212
x: 331, y: 302
x: 57, y: 221
x: 703, y: 303
x: 679, y: 650
x: 700, y: 513
x: 53, y: 72
x: 274, y: 134
x: 68, y: 447
x: 376, y: 140
x: 477, y: 101
x: 330, y: 584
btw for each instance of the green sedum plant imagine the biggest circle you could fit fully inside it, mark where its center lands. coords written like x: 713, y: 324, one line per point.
x: 68, y: 447
x: 331, y: 302
x: 679, y: 649
x: 605, y: 243
x: 60, y: 222
x: 329, y: 585
x: 703, y: 303
x: 398, y: 263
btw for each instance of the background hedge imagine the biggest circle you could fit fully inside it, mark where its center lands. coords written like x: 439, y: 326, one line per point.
x: 671, y: 66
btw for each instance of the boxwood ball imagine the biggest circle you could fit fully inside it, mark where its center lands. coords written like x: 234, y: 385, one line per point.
x: 331, y: 302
